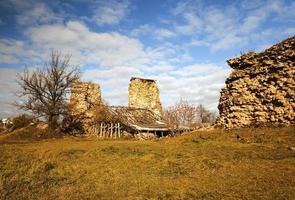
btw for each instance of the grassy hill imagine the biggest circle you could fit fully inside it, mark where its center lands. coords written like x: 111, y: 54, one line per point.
x: 240, y: 164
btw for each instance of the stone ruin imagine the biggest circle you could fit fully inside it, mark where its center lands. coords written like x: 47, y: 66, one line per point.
x: 84, y: 97
x: 144, y: 93
x: 261, y: 88
x: 144, y: 113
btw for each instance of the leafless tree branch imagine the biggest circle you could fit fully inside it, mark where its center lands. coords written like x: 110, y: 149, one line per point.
x: 45, y: 89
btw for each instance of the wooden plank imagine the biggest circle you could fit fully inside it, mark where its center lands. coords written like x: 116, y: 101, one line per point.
x: 100, y: 131
x: 103, y: 133
x: 111, y: 129
x: 119, y: 130
x: 115, y: 130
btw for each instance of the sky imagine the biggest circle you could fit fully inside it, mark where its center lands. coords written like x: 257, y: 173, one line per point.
x: 183, y: 45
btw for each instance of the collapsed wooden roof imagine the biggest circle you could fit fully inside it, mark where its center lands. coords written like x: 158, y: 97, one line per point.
x: 138, y: 118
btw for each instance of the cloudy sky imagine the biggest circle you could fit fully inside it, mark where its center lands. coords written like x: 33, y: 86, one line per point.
x: 184, y: 45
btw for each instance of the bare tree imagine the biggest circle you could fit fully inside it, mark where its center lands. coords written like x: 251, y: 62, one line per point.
x: 184, y: 114
x: 45, y: 89
x: 205, y: 115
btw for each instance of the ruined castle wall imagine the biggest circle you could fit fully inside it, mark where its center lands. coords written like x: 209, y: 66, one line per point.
x: 144, y: 93
x: 260, y: 89
x: 84, y: 96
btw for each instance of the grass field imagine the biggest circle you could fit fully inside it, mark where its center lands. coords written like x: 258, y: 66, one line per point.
x: 200, y: 165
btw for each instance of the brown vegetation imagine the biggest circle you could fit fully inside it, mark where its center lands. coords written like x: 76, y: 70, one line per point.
x: 186, y: 115
x: 241, y: 164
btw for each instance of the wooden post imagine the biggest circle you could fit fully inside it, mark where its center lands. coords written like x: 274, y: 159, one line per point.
x: 111, y: 129
x: 103, y: 130
x: 119, y: 130
x: 100, y: 131
x: 106, y: 130
x: 116, y: 130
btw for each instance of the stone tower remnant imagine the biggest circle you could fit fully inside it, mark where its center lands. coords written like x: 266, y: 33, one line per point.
x: 84, y: 96
x: 144, y: 93
x: 260, y: 89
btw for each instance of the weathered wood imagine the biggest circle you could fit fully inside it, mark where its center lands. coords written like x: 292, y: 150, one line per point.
x: 115, y: 130
x: 100, y: 131
x: 107, y: 129
x: 111, y: 130
x: 104, y: 131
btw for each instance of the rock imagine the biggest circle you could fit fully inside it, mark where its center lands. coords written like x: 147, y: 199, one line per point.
x: 260, y: 89
x: 144, y: 93
x: 145, y: 136
x: 127, y: 136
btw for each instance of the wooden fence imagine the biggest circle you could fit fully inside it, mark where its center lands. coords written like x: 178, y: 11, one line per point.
x: 107, y: 130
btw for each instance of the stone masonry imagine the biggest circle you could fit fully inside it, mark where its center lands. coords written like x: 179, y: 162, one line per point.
x: 260, y: 89
x: 144, y: 93
x: 84, y: 96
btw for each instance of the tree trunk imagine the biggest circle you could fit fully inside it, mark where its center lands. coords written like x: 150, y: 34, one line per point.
x: 52, y: 122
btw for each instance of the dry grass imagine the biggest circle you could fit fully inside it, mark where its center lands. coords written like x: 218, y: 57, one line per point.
x: 200, y: 165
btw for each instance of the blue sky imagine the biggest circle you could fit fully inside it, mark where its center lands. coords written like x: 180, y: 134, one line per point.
x: 184, y: 45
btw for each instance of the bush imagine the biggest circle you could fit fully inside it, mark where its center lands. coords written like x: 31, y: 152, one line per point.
x: 22, y: 121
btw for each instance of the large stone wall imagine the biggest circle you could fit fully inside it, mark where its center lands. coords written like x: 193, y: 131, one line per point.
x: 144, y: 93
x: 84, y: 96
x: 260, y: 89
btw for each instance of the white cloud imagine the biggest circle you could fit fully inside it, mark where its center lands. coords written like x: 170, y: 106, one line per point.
x: 260, y: 14
x: 231, y: 26
x: 193, y: 24
x: 110, y: 12
x: 10, y: 46
x: 14, y: 51
x: 229, y: 41
x: 4, y: 58
x: 8, y: 88
x: 152, y: 31
x: 38, y: 14
x: 87, y: 47
x: 198, y: 83
x: 33, y: 13
x: 164, y: 33
x: 10, y: 50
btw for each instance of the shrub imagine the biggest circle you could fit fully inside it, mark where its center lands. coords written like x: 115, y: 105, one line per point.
x: 22, y: 121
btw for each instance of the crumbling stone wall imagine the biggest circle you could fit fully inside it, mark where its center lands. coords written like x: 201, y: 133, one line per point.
x: 84, y: 96
x: 144, y: 93
x: 260, y: 89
